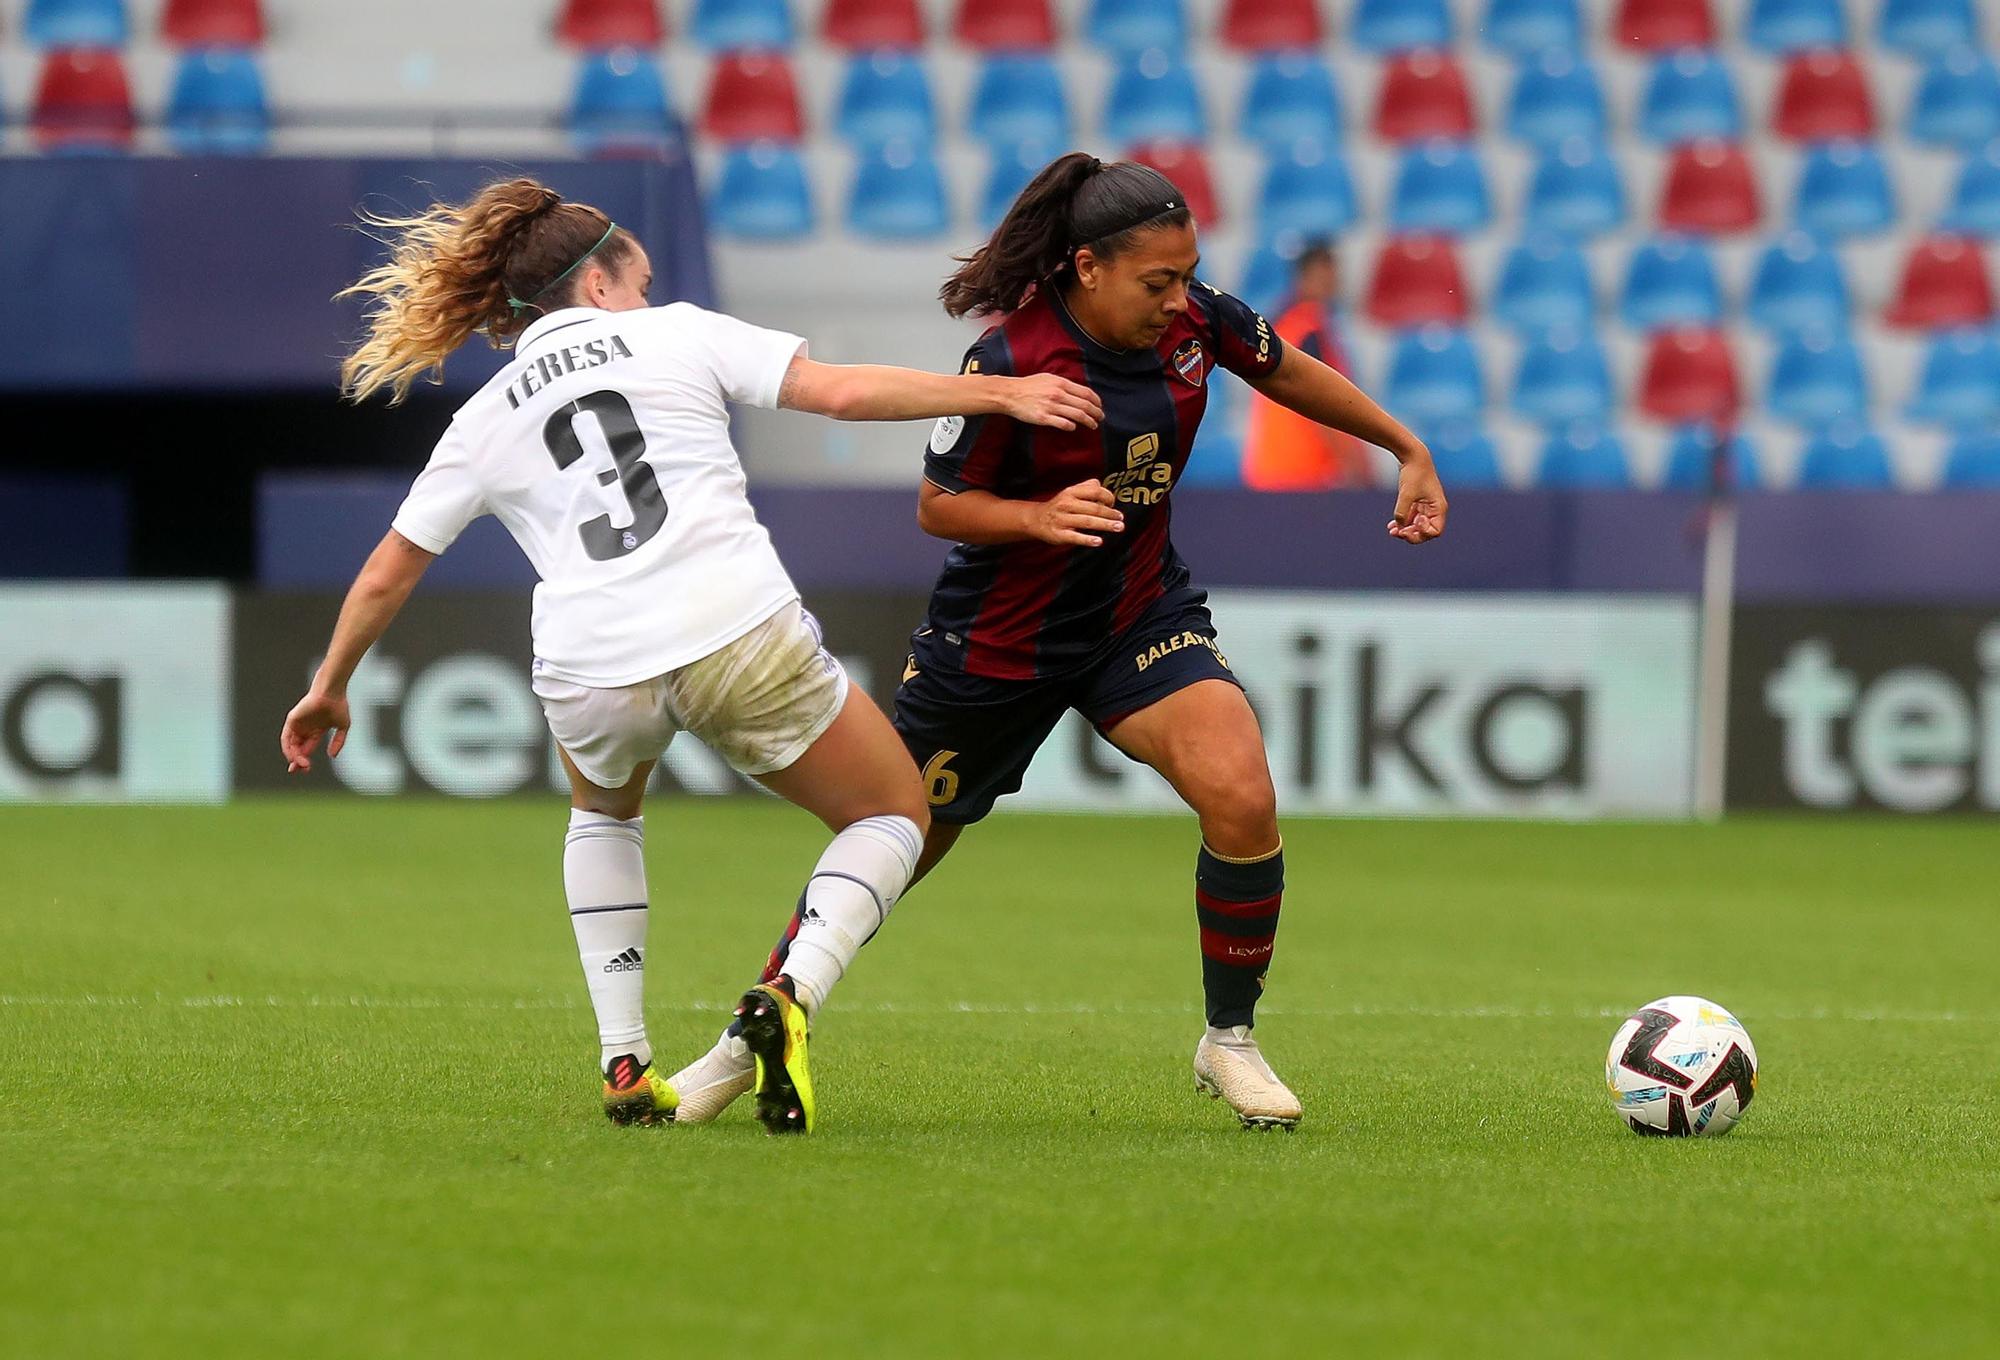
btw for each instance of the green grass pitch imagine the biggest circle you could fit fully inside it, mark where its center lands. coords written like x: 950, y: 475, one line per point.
x: 310, y: 1077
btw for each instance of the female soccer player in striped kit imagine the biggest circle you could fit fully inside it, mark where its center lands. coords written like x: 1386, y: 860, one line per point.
x: 604, y: 448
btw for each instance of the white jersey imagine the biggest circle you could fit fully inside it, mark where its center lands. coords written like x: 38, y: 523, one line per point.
x: 604, y: 448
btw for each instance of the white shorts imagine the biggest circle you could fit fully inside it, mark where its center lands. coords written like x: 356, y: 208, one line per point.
x: 758, y: 702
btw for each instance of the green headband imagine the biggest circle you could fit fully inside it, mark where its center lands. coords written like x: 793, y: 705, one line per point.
x: 520, y: 306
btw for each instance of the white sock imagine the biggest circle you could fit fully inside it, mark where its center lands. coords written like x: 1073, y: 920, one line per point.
x: 853, y: 888
x: 604, y: 873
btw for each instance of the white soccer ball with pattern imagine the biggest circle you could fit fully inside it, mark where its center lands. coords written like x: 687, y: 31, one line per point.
x: 1681, y: 1066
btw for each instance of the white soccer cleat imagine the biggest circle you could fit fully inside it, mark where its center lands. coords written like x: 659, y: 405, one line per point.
x: 1228, y: 1066
x: 708, y: 1084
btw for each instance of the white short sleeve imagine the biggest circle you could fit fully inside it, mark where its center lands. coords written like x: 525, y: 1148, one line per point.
x: 749, y: 361
x: 445, y: 497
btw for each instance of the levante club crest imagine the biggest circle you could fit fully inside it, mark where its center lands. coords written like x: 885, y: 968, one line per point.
x: 1187, y: 362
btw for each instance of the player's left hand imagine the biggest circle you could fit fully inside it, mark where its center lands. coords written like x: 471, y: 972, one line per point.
x: 1045, y: 399
x: 1420, y: 503
x: 310, y: 719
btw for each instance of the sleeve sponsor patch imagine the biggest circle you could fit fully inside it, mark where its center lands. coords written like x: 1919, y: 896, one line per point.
x: 945, y: 433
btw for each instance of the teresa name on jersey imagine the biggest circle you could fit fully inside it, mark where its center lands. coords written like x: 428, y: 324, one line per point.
x: 569, y: 359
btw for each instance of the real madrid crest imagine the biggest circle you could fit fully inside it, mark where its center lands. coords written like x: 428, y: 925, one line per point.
x: 1187, y: 362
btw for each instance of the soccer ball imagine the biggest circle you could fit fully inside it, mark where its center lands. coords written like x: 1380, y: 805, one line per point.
x: 1681, y: 1066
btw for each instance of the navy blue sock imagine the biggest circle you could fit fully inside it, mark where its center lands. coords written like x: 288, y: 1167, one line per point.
x: 1237, y: 904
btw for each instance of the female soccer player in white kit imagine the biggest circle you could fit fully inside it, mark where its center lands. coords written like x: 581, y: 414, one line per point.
x: 604, y: 448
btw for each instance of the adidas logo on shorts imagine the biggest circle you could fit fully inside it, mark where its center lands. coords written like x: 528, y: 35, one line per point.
x: 628, y: 962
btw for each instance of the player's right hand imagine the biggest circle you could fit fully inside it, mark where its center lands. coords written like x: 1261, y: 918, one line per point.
x: 1045, y: 399
x: 1078, y: 516
x: 309, y: 720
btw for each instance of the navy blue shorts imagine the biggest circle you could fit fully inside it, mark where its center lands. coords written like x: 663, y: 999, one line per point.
x: 973, y: 736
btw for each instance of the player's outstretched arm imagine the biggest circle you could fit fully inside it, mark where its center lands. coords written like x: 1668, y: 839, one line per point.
x: 880, y: 392
x: 1075, y: 517
x: 386, y: 580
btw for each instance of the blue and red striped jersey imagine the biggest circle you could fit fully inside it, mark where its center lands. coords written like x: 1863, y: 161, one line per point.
x: 1018, y: 611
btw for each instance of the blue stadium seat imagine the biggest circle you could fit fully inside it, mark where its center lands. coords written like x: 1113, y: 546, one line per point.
x: 1526, y: 28
x: 1671, y: 282
x: 1555, y: 98
x: 620, y: 103
x: 217, y: 106
x: 1844, y: 191
x: 1576, y: 191
x: 1464, y: 455
x: 1975, y: 202
x: 1783, y: 26
x: 1307, y: 192
x: 1690, y: 95
x: 1154, y: 99
x: 886, y: 98
x: 1973, y: 461
x: 1399, y: 25
x: 1544, y: 284
x: 1584, y: 456
x: 1440, y: 187
x: 1129, y: 27
x: 1690, y: 454
x: 76, y: 23
x: 1563, y: 377
x: 1817, y: 379
x: 1267, y: 278
x: 1960, y: 386
x: 1291, y: 98
x: 734, y: 25
x: 898, y: 194
x: 1958, y: 102
x: 1019, y: 100
x: 1011, y: 169
x: 762, y: 194
x: 1434, y: 376
x: 1924, y: 28
x: 1798, y: 285
x: 1846, y: 456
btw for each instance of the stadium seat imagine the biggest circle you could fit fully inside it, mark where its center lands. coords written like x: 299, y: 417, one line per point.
x: 83, y: 102
x: 873, y: 25
x: 731, y: 25
x: 1584, y: 456
x: 75, y: 23
x: 1958, y: 101
x: 1463, y: 455
x: 1690, y: 95
x: 620, y: 103
x: 1824, y: 96
x: 1576, y: 191
x: 1423, y: 95
x: 1006, y: 25
x: 1556, y: 97
x: 1129, y: 27
x: 762, y: 194
x: 1019, y: 99
x: 1434, y: 376
x: 1844, y: 191
x: 1671, y: 282
x: 1185, y: 165
x: 213, y: 23
x: 1944, y: 285
x: 1563, y: 376
x: 1973, y: 461
x: 1925, y: 28
x: 886, y: 97
x: 611, y: 23
x: 752, y: 97
x: 1417, y: 282
x: 1440, y: 187
x: 1525, y: 29
x: 1663, y: 25
x: 1786, y: 26
x: 1267, y: 277
x: 1010, y: 168
x: 1291, y: 97
x: 1710, y: 188
x: 217, y: 107
x: 1975, y: 201
x: 1307, y: 192
x: 1960, y: 383
x: 1154, y: 98
x: 1399, y: 25
x: 1545, y: 285
x: 1817, y: 379
x: 898, y: 194
x: 1691, y: 461
x: 1272, y: 25
x: 1798, y: 285
x: 1689, y: 376
x: 1846, y: 456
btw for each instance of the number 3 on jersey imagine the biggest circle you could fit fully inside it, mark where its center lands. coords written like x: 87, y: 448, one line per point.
x: 601, y: 539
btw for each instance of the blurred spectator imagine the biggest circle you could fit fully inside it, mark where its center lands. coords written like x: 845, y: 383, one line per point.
x: 1283, y: 450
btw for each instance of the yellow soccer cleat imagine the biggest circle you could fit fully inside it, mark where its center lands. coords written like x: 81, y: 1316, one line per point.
x: 774, y: 1025
x: 635, y: 1094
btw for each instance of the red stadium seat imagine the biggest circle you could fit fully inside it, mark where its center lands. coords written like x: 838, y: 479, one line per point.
x: 1006, y: 25
x: 1185, y: 165
x: 611, y: 23
x: 1271, y: 25
x: 1824, y: 96
x: 752, y: 97
x: 1710, y: 188
x: 863, y: 25
x: 1423, y: 95
x: 213, y: 23
x: 1945, y: 284
x: 1690, y: 377
x: 83, y: 101
x: 1417, y: 281
x: 1660, y: 25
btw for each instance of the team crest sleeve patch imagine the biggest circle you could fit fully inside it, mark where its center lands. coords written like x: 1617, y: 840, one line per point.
x: 945, y: 433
